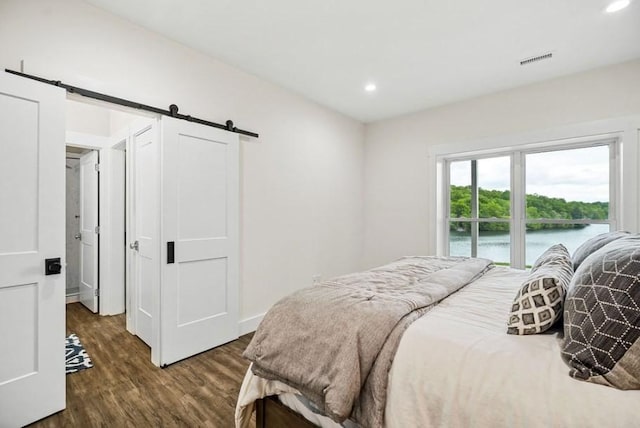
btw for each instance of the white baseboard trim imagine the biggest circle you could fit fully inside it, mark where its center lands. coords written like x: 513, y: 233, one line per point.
x: 72, y: 298
x: 249, y: 325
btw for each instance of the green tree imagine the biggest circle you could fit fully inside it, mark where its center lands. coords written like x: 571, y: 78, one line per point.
x: 496, y: 204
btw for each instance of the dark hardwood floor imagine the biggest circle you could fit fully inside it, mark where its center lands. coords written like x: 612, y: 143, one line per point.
x: 125, y: 389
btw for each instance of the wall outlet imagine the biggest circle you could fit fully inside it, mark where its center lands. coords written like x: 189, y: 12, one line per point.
x: 316, y: 279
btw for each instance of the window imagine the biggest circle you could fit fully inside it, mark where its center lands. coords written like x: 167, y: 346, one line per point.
x: 480, y: 208
x: 511, y: 206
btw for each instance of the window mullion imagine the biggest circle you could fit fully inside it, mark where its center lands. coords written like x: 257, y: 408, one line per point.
x: 614, y: 195
x: 474, y: 208
x: 445, y: 247
x: 518, y: 207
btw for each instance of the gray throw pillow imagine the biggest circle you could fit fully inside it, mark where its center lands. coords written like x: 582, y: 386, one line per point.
x: 557, y: 252
x: 592, y: 245
x: 539, y: 301
x: 602, y: 316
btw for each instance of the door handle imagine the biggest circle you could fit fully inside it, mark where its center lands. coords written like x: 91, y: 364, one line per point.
x: 171, y: 255
x: 52, y: 266
x: 78, y: 236
x: 135, y: 246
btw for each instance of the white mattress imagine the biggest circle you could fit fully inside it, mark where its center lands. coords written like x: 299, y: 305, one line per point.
x: 457, y: 367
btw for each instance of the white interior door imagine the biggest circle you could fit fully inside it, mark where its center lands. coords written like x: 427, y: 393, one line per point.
x: 145, y: 231
x: 32, y: 229
x: 88, y: 287
x: 200, y: 192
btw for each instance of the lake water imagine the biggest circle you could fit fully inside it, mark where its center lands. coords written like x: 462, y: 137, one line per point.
x: 495, y: 245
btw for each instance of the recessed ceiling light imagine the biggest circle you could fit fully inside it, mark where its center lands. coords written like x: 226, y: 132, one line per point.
x: 370, y: 87
x: 617, y: 5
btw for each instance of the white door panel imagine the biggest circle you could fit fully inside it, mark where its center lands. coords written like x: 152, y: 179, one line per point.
x: 146, y: 230
x: 199, y: 290
x: 32, y: 327
x: 88, y: 287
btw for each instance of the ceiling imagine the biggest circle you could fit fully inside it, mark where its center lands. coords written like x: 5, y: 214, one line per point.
x: 419, y: 53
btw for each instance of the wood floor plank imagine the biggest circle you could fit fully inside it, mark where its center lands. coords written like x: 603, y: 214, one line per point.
x: 124, y: 389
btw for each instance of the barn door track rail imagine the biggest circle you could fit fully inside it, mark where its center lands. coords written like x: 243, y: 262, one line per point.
x: 172, y: 112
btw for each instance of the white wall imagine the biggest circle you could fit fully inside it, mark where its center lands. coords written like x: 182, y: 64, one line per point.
x: 120, y: 121
x: 397, y: 176
x: 86, y: 118
x: 302, y: 181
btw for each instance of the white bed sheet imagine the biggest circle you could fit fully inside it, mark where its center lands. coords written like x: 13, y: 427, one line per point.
x: 457, y: 367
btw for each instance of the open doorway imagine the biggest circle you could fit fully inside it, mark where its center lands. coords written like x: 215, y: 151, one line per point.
x: 179, y: 255
x: 82, y: 227
x: 97, y: 209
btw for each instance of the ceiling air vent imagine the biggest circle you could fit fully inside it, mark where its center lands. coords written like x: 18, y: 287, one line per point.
x: 536, y: 58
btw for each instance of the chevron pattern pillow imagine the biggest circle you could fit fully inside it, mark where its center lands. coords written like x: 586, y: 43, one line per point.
x: 602, y: 316
x: 539, y: 301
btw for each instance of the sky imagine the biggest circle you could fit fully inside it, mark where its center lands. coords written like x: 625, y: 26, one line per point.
x: 575, y: 175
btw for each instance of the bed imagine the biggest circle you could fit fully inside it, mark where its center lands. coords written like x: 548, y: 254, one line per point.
x: 456, y: 366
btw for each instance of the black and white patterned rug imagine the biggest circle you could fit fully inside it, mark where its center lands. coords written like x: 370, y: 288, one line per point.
x: 77, y: 357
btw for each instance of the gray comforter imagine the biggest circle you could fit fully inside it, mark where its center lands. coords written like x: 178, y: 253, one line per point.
x: 335, y: 342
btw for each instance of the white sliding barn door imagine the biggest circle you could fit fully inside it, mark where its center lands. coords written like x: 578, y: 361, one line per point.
x: 88, y: 287
x: 145, y: 231
x: 32, y: 229
x: 200, y: 192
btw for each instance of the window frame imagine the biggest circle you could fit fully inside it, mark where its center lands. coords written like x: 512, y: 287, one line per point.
x: 518, y: 220
x: 475, y: 194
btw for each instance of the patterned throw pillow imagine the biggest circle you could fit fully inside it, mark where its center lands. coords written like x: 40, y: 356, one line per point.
x: 556, y: 253
x: 538, y: 304
x: 592, y: 245
x: 602, y: 316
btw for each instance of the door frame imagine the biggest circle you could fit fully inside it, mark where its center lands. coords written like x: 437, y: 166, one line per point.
x: 112, y: 288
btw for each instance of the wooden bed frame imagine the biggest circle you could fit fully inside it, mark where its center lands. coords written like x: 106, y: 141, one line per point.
x: 271, y: 413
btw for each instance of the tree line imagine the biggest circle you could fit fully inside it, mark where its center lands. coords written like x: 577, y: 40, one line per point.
x: 496, y: 204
